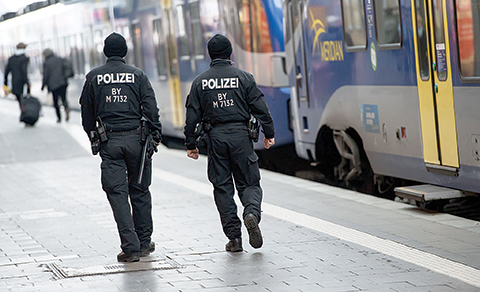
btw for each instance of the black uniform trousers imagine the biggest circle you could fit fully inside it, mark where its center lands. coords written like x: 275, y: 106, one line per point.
x: 121, y: 156
x: 231, y: 153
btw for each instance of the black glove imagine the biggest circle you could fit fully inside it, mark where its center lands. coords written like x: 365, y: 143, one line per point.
x: 151, y: 146
x: 157, y: 137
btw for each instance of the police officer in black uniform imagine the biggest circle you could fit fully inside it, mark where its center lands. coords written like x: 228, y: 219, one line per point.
x: 223, y: 98
x: 120, y: 95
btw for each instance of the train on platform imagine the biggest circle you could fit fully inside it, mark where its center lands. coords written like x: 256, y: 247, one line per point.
x: 390, y: 88
x: 166, y: 39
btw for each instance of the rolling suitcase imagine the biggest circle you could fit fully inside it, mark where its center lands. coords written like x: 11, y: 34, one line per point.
x: 30, y: 110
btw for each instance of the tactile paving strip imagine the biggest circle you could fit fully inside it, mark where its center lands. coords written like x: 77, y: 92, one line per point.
x: 68, y: 272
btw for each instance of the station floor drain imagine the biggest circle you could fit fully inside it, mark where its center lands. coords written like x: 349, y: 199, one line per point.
x: 66, y: 272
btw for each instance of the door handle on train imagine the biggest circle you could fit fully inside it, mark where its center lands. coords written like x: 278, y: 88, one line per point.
x: 435, y: 88
x: 434, y: 66
x: 299, y: 76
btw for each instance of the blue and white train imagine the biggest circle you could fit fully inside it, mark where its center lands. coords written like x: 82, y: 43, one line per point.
x: 166, y: 38
x: 387, y: 86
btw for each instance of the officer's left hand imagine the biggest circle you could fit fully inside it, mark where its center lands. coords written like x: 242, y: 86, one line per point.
x: 193, y: 153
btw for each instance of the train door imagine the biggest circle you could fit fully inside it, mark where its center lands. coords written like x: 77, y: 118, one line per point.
x: 434, y: 76
x: 296, y: 17
x: 176, y: 105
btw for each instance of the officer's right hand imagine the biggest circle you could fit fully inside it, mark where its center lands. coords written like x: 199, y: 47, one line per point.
x: 268, y: 142
x: 193, y: 153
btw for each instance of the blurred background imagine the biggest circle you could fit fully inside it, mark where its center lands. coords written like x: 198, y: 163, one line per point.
x: 12, y: 6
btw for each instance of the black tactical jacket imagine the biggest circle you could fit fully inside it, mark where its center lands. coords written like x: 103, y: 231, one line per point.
x: 119, y: 94
x: 225, y: 94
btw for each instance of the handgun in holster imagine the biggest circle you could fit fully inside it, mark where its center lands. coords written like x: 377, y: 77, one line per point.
x: 94, y: 142
x: 253, y: 128
x: 97, y: 136
x: 102, y: 133
x: 201, y: 132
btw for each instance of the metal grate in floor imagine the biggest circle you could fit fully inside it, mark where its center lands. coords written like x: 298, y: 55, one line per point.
x: 68, y: 272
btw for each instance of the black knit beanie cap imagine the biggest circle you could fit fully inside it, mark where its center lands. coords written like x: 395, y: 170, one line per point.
x: 219, y: 47
x: 115, y: 45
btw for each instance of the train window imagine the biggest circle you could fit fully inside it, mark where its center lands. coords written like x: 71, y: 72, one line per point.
x: 235, y: 22
x: 97, y: 52
x: 295, y: 16
x: 125, y: 31
x: 422, y: 40
x: 387, y: 24
x: 198, y: 45
x: 226, y: 19
x: 137, y: 44
x: 160, y: 49
x: 290, y: 22
x: 62, y: 44
x: 3, y: 57
x: 182, y: 33
x: 35, y: 54
x: 354, y: 26
x: 87, y: 41
x: 468, y: 34
x: 68, y: 46
x: 439, y: 39
x: 78, y: 55
x: 254, y: 27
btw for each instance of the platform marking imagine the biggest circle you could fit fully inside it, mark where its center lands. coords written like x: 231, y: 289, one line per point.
x: 400, y: 251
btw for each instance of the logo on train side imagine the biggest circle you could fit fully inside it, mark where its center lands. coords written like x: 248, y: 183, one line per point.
x: 329, y: 50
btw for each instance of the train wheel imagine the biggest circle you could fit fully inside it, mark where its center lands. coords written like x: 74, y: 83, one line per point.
x: 350, y: 166
x: 354, y: 168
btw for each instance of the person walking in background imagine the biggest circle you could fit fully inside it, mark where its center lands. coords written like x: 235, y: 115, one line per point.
x: 223, y: 98
x: 118, y: 108
x: 56, y: 72
x: 17, y: 66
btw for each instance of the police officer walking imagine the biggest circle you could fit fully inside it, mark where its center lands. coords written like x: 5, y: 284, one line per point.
x: 114, y: 99
x: 222, y: 99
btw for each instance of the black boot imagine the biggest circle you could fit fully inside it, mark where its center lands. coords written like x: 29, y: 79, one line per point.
x: 234, y: 245
x: 148, y: 250
x: 127, y: 257
x: 254, y: 233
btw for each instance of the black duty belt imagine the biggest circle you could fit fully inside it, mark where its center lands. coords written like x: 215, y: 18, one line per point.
x: 124, y: 133
x: 230, y: 124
